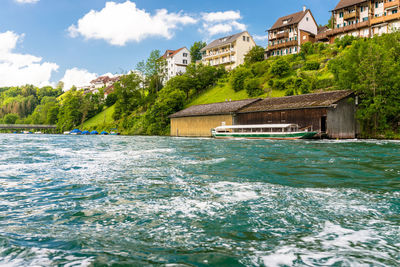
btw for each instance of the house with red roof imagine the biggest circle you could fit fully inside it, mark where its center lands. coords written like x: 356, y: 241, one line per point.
x: 288, y: 33
x: 177, y: 62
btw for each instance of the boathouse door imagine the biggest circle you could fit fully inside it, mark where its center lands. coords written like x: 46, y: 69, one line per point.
x: 323, y: 124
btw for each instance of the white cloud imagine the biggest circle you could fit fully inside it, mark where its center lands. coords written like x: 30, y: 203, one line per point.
x: 222, y: 22
x: 260, y: 37
x: 119, y: 23
x: 27, y: 1
x: 77, y: 77
x: 221, y: 16
x: 20, y: 69
x: 219, y: 28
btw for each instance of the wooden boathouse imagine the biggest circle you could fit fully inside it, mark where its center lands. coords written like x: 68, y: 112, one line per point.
x: 197, y: 121
x: 331, y: 113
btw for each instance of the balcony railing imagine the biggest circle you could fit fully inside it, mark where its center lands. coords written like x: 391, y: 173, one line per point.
x: 228, y: 61
x: 394, y: 3
x: 385, y: 18
x: 282, y: 35
x: 351, y: 15
x: 218, y: 53
x: 282, y: 45
x: 348, y: 28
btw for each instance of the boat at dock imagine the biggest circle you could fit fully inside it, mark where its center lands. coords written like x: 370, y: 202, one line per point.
x: 263, y: 131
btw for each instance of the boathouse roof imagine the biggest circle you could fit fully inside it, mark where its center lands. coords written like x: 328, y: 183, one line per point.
x: 316, y: 100
x: 222, y: 108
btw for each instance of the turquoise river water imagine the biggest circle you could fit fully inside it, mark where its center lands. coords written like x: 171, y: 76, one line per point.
x: 159, y: 201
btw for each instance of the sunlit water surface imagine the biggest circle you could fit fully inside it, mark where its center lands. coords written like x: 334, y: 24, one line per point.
x: 145, y: 201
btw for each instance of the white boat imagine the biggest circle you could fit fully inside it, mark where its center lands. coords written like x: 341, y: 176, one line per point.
x: 262, y: 131
x: 38, y: 132
x: 67, y: 132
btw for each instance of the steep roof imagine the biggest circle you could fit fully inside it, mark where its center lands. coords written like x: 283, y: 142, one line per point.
x: 223, y: 41
x: 171, y: 53
x: 346, y: 3
x: 291, y: 19
x: 222, y: 108
x: 325, y: 99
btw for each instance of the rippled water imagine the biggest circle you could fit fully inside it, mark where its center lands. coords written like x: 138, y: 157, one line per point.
x: 134, y: 201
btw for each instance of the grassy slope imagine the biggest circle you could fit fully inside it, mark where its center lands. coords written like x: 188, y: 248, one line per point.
x: 103, y: 118
x: 223, y: 92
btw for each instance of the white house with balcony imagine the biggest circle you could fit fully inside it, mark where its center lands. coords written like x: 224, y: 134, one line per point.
x: 228, y: 51
x: 177, y: 62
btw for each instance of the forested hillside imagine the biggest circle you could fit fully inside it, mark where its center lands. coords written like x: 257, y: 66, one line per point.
x: 370, y: 67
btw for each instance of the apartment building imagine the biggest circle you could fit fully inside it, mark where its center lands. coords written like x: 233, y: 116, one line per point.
x: 363, y: 18
x: 177, y: 62
x: 289, y: 32
x: 228, y: 51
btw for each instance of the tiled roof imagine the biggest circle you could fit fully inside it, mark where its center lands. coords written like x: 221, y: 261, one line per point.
x: 222, y: 108
x: 291, y: 19
x: 346, y: 3
x: 171, y: 53
x: 105, y: 79
x: 324, y: 99
x: 222, y: 41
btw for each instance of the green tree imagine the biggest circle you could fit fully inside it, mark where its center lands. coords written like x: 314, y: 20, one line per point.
x: 280, y: 68
x: 370, y: 67
x: 10, y: 118
x: 238, y: 76
x: 154, y: 68
x: 129, y: 95
x: 256, y: 54
x: 195, y: 50
x: 253, y: 87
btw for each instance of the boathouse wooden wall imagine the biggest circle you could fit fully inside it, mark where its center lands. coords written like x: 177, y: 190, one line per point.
x: 305, y: 117
x: 198, y: 126
x: 341, y: 121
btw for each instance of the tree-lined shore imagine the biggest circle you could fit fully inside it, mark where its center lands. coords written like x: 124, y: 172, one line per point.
x: 141, y: 104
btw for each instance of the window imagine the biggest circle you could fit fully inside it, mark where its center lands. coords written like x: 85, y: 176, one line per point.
x: 295, y: 49
x: 362, y: 9
x: 307, y: 19
x: 185, y: 54
x: 244, y: 38
x: 344, y: 24
x: 185, y: 61
x: 338, y: 26
x: 394, y: 11
x: 341, y: 15
x: 290, y: 30
x: 248, y: 39
x: 376, y: 4
x: 290, y: 50
x: 365, y: 19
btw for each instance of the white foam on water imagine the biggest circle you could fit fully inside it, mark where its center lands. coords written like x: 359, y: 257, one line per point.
x: 283, y: 256
x: 234, y: 192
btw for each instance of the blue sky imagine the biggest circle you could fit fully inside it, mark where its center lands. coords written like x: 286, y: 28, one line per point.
x: 44, y: 41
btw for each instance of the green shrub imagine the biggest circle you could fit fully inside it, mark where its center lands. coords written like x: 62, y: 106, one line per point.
x: 280, y: 68
x: 253, y: 87
x: 311, y: 65
x: 238, y: 77
x: 10, y: 118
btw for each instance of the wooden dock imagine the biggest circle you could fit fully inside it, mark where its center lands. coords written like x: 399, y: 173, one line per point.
x: 26, y: 126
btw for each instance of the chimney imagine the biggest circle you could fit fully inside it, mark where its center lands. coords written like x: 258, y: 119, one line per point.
x: 304, y: 8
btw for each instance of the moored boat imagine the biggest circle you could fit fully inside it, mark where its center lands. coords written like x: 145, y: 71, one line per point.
x: 262, y: 131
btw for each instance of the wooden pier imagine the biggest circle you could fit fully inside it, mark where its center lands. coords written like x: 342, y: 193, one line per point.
x: 26, y: 126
